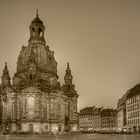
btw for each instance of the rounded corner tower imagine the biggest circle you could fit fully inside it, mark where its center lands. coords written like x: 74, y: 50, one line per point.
x: 35, y: 102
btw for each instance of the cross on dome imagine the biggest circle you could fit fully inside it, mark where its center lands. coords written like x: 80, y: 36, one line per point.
x: 37, y: 13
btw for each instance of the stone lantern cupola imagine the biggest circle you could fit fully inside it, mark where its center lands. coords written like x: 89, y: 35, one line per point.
x: 37, y: 31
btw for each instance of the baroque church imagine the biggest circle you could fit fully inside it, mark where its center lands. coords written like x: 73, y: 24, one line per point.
x: 35, y: 102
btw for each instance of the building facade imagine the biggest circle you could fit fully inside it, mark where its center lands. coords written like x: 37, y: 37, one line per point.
x: 85, y: 119
x: 109, y: 120
x: 36, y: 102
x: 133, y: 110
x: 121, y: 113
x: 89, y: 119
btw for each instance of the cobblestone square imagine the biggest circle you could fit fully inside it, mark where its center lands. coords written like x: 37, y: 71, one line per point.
x: 71, y: 137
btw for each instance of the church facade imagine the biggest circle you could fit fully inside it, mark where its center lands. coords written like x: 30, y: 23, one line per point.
x: 35, y: 102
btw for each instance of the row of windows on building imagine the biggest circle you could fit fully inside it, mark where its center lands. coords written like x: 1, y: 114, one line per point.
x: 100, y: 119
x: 108, y: 126
x: 85, y: 116
x: 86, y: 127
x: 111, y: 121
x: 88, y: 119
x: 105, y: 126
x: 133, y: 99
x: 93, y: 118
x: 133, y: 114
x: 133, y: 107
x: 86, y: 123
x: 134, y: 121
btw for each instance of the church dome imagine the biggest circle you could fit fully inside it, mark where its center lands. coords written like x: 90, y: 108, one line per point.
x: 43, y: 56
x: 44, y: 59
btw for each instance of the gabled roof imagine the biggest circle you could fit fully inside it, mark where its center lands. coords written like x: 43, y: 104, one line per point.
x: 87, y: 110
x: 97, y: 111
x: 108, y: 112
x: 90, y: 111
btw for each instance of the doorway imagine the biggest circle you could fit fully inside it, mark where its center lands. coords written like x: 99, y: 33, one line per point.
x: 59, y: 128
x: 31, y: 128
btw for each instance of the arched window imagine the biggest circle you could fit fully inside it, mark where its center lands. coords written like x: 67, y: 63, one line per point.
x: 59, y: 110
x: 31, y: 76
x: 31, y: 128
x: 68, y: 87
x: 9, y: 109
x: 45, y: 108
x: 40, y: 32
x: 59, y: 107
x: 46, y: 127
x: 31, y: 107
x: 33, y: 31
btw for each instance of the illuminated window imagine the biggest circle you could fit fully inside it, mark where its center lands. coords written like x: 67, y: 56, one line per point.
x: 31, y: 107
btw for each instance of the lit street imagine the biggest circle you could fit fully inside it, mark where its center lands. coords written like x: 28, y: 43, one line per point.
x: 72, y: 137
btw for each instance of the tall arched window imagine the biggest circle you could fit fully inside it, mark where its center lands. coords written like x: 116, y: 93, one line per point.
x: 9, y: 109
x: 45, y: 108
x: 33, y: 31
x: 59, y: 110
x: 31, y: 107
x: 59, y: 107
x: 40, y: 32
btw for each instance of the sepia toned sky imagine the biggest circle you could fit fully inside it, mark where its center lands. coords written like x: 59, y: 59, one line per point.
x: 100, y: 39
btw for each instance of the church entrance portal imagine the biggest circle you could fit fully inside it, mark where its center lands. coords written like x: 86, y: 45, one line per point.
x: 31, y: 128
x: 59, y: 128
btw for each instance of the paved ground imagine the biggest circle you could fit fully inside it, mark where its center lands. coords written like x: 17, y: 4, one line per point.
x: 72, y: 137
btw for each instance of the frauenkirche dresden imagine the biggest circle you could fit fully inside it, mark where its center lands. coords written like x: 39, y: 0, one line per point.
x: 35, y: 101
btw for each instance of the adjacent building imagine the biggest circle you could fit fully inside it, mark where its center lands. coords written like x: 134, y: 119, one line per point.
x: 85, y: 119
x: 97, y: 118
x: 133, y: 109
x: 109, y: 120
x: 36, y: 102
x: 121, y: 113
x: 89, y: 119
